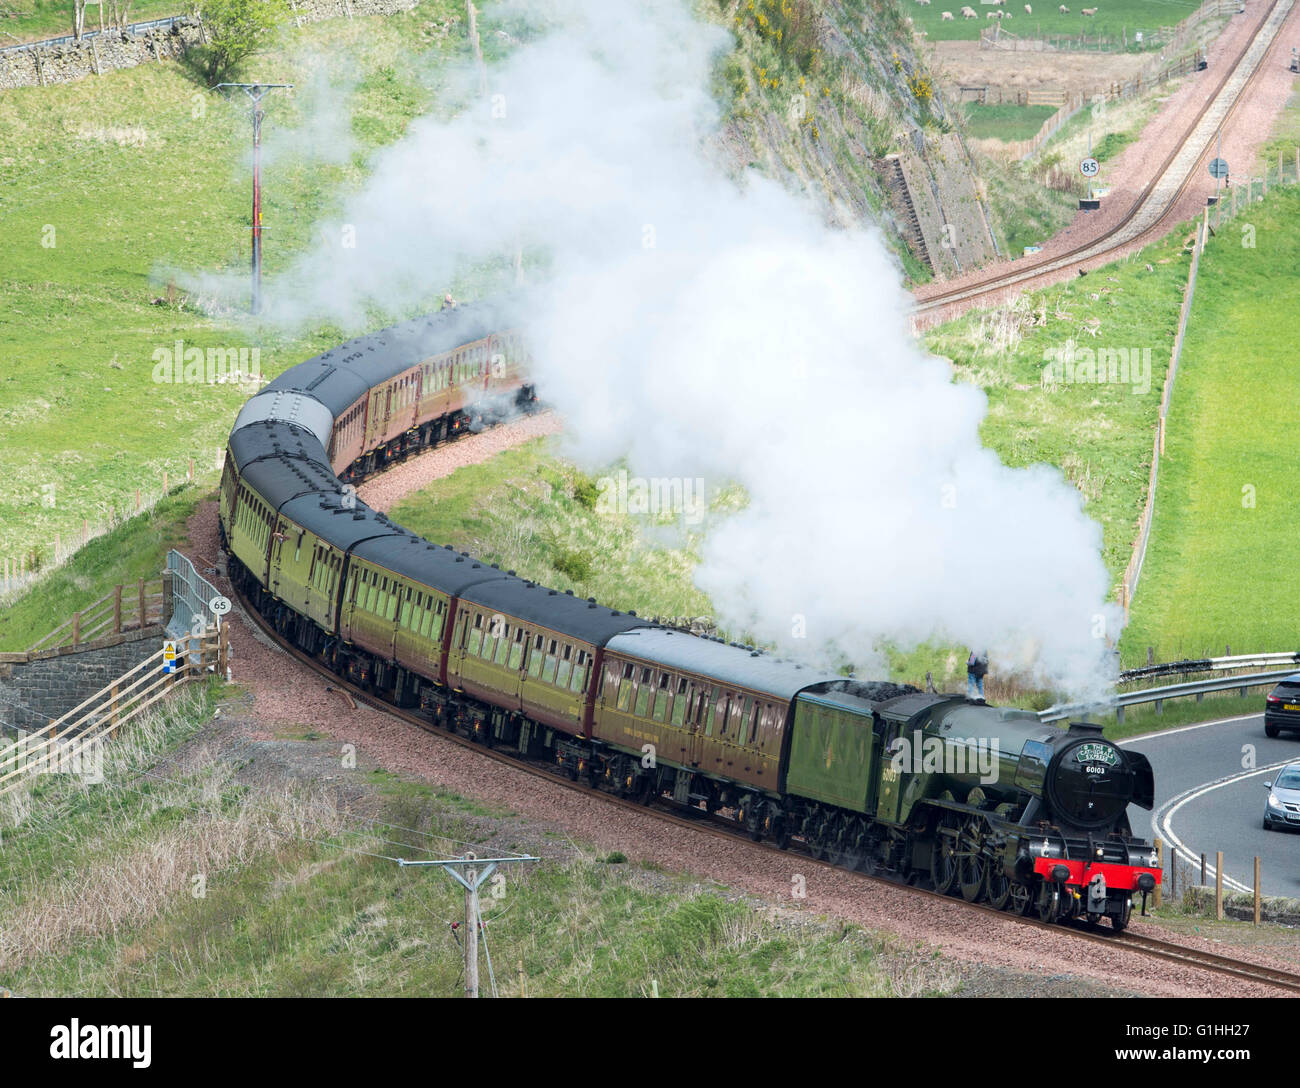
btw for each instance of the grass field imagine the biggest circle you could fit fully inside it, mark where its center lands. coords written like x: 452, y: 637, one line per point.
x: 1005, y: 122
x: 1223, y: 561
x: 531, y: 512
x: 98, y: 885
x: 107, y: 183
x: 1113, y: 18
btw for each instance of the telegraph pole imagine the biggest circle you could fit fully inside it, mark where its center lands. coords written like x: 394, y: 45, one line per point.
x: 466, y: 872
x: 256, y: 92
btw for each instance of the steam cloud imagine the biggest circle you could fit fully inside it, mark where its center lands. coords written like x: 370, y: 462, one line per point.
x: 707, y: 327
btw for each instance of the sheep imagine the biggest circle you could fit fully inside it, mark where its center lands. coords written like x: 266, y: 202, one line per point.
x: 1064, y: 10
x: 1029, y: 10
x: 946, y: 17
x: 968, y: 13
x: 1090, y: 12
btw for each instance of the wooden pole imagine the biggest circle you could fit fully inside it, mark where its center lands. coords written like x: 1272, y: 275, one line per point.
x: 1218, y: 885
x: 1256, y: 889
x: 1160, y: 861
x: 76, y: 629
x: 117, y: 610
x: 523, y: 980
x: 143, y: 617
x: 1202, y: 869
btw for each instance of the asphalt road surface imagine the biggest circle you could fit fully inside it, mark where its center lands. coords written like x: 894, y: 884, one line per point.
x: 1210, y: 796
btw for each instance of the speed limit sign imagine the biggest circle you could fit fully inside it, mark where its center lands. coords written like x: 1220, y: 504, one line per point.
x: 1089, y: 167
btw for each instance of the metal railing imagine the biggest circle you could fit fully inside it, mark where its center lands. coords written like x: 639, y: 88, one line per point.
x: 192, y: 594
x: 1197, y: 688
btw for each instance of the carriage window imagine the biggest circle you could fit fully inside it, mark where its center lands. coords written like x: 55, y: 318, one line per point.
x: 626, y: 689
x: 391, y: 611
x: 643, y: 694
x: 406, y: 610
x: 580, y: 671
x: 535, y: 658
x: 549, y: 665
x: 663, y: 693
x: 503, y: 645
x: 723, y: 708
x: 680, y: 703
x: 517, y: 649
x: 476, y: 636
x: 566, y: 668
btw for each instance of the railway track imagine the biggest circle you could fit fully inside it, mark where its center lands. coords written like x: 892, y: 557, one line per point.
x: 716, y: 824
x: 1157, y: 200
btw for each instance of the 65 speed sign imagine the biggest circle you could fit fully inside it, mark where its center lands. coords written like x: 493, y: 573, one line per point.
x: 1089, y: 167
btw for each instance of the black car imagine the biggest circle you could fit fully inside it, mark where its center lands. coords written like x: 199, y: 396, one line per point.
x: 1282, y: 711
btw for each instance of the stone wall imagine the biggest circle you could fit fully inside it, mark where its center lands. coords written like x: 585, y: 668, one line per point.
x: 63, y: 62
x: 37, y: 692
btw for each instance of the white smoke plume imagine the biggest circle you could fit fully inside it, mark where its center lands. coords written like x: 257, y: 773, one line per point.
x: 707, y: 328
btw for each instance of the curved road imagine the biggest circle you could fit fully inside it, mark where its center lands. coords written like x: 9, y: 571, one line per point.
x: 1210, y: 796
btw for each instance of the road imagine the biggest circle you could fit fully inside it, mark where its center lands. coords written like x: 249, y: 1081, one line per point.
x: 1210, y: 796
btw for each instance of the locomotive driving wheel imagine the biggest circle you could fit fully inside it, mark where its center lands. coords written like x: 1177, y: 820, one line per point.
x: 943, y: 861
x: 971, y: 864
x: 998, y: 886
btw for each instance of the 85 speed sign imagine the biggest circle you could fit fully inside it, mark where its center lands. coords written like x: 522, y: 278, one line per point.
x: 1089, y: 167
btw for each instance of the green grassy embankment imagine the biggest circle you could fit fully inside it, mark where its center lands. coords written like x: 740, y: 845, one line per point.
x: 1221, y: 565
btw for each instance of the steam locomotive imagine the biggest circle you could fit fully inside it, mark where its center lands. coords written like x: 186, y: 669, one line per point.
x: 981, y: 801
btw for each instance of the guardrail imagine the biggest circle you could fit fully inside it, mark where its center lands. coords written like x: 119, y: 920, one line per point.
x: 1210, y: 664
x: 1198, y: 688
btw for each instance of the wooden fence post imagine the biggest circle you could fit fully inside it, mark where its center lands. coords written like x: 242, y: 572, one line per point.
x: 1160, y: 862
x: 1256, y: 889
x: 1218, y: 885
x: 168, y: 591
x: 1202, y: 869
x: 117, y: 610
x: 76, y: 629
x: 143, y: 615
